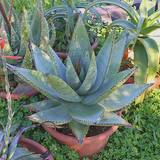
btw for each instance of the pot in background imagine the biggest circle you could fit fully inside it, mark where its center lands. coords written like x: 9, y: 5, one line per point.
x: 36, y: 148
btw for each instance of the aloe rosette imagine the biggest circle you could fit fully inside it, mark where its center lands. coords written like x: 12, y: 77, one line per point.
x: 87, y: 90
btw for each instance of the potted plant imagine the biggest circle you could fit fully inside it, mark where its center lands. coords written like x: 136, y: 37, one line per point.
x: 85, y: 91
x: 143, y: 26
x: 9, y: 149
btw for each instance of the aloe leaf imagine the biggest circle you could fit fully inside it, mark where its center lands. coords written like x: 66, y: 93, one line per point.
x: 80, y: 49
x: 63, y: 89
x: 44, y: 39
x: 36, y: 79
x: 102, y: 60
x: 42, y: 105
x: 43, y: 62
x: 152, y: 51
x: 57, y: 115
x: 131, y: 11
x: 71, y: 75
x: 116, y: 56
x: 86, y: 114
x: 123, y: 96
x: 90, y: 77
x: 150, y: 29
x: 14, y: 143
x: 144, y: 9
x: 60, y: 67
x: 110, y: 119
x: 36, y: 27
x: 152, y: 19
x: 124, y: 24
x: 107, y: 88
x: 140, y: 56
x: 79, y: 130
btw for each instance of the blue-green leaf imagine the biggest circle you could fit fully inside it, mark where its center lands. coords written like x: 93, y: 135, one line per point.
x: 124, y: 24
x: 123, y: 96
x: 102, y: 60
x: 42, y: 105
x: 110, y: 119
x: 86, y: 114
x: 116, y: 56
x: 152, y: 52
x: 71, y: 75
x: 90, y: 77
x: 36, y: 79
x: 80, y: 49
x: 79, y: 130
x: 64, y: 91
x: 57, y: 115
x: 43, y: 62
x: 107, y: 88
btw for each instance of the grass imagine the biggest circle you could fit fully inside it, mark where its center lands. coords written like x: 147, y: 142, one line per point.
x: 142, y: 142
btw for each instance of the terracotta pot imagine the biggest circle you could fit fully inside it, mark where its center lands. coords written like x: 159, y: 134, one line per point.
x: 125, y: 55
x: 90, y: 146
x: 35, y: 147
x: 63, y: 55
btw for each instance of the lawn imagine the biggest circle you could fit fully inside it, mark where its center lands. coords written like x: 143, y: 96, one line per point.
x: 141, y: 142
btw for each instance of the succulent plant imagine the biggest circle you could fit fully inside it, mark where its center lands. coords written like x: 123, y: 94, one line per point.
x: 86, y: 90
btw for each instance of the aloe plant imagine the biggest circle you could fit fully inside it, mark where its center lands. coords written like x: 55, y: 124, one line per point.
x: 143, y: 26
x: 86, y: 90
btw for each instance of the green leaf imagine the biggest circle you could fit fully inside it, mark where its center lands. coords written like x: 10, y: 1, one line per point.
x: 57, y: 115
x: 124, y: 24
x: 116, y: 56
x: 57, y: 62
x: 102, y: 60
x: 129, y: 9
x: 42, y: 105
x: 71, y: 75
x: 90, y: 77
x: 80, y: 49
x: 144, y: 9
x: 123, y: 96
x: 114, y: 81
x: 79, y: 130
x: 141, y: 61
x: 63, y: 89
x: 110, y: 119
x: 43, y: 62
x: 152, y: 19
x: 86, y: 114
x: 152, y: 52
x: 36, y: 79
x: 150, y: 29
x: 36, y: 27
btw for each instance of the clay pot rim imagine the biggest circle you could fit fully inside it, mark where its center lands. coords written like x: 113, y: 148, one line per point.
x: 109, y: 131
x: 26, y: 143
